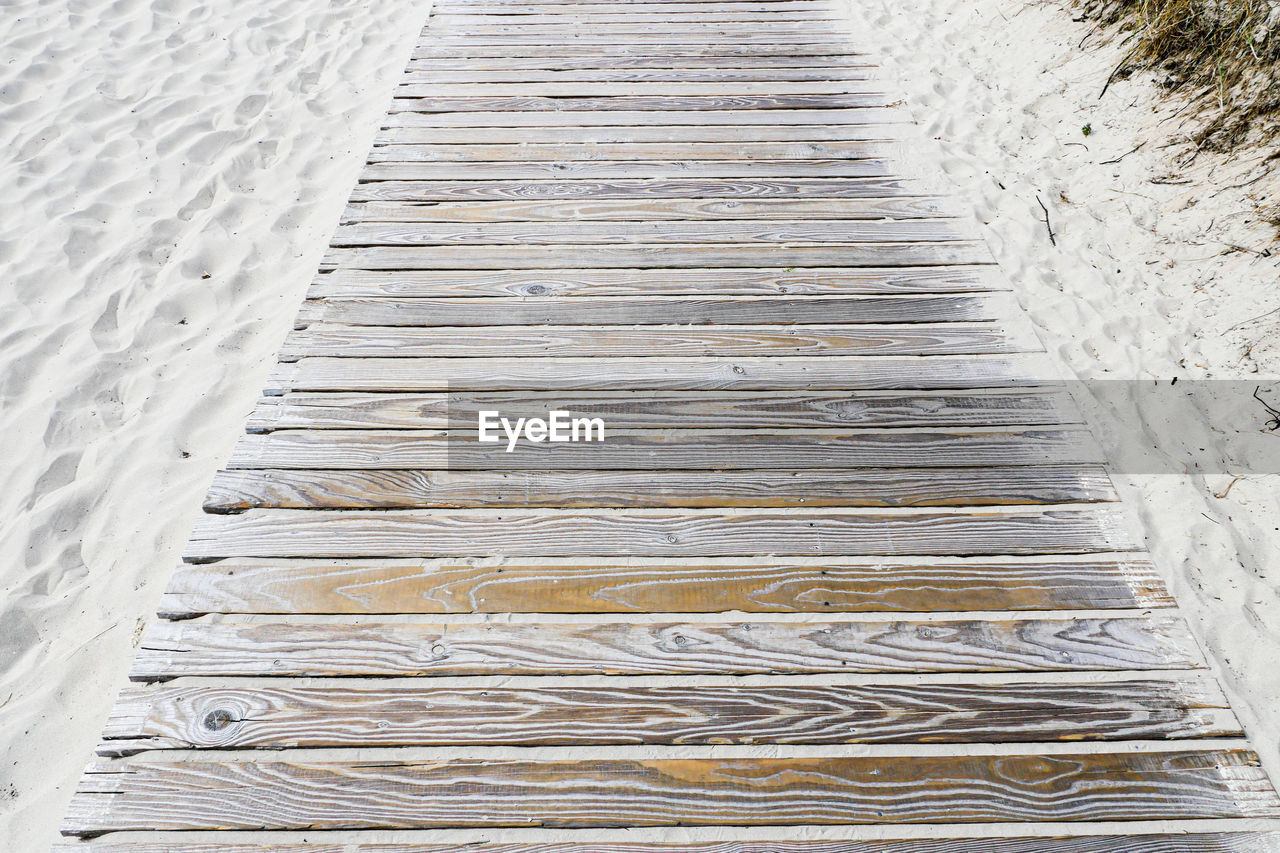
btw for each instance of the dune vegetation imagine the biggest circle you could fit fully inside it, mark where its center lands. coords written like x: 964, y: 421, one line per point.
x: 1224, y: 54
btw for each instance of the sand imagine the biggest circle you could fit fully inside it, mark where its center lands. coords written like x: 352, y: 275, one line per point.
x: 175, y: 170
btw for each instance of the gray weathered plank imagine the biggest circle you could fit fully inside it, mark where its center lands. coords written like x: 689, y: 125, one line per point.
x: 709, y: 74
x: 1074, y: 529
x: 335, y: 714
x: 595, y: 282
x: 420, y: 84
x: 599, y: 585
x: 173, y: 649
x: 673, y: 449
x: 652, y: 233
x: 627, y: 151
x: 664, y: 792
x: 656, y: 255
x: 335, y: 340
x: 408, y: 489
x: 622, y: 189
x: 1182, y: 842
x: 662, y: 374
x: 639, y: 103
x: 875, y: 115
x: 628, y: 169
x: 867, y: 131
x: 658, y: 310
x: 688, y: 409
x: 721, y: 211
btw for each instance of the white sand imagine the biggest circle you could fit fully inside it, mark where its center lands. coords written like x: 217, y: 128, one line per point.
x: 176, y: 169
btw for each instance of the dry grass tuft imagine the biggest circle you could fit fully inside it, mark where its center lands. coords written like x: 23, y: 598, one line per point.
x: 1224, y: 53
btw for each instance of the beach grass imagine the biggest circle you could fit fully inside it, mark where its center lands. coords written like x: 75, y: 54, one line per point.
x: 1224, y: 54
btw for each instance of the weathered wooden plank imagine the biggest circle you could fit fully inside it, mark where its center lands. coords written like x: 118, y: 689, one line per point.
x: 658, y: 310
x: 623, y: 42
x: 781, y: 74
x: 382, y: 489
x: 682, y: 133
x: 686, y: 255
x: 1194, y: 842
x: 627, y: 169
x: 197, y: 716
x: 845, y: 585
x: 664, y: 50
x: 721, y: 211
x: 609, y: 40
x: 173, y: 649
x: 538, y: 16
x: 640, y: 103
x: 689, y: 409
x: 568, y: 27
x: 595, y: 282
x: 875, y: 115
x: 591, y: 30
x: 703, y: 11
x: 323, y: 339
x: 662, y: 59
x: 622, y: 189
x: 662, y: 374
x: 627, y: 151
x: 412, y: 87
x: 1076, y: 529
x: 675, y: 449
x: 650, y: 233
x: 664, y: 792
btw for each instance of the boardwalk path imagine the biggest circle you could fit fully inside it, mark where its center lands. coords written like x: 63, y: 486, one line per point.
x: 845, y: 558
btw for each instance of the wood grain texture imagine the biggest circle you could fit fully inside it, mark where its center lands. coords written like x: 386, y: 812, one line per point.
x: 627, y: 169
x: 422, y: 84
x: 656, y: 310
x: 881, y: 115
x: 569, y: 255
x: 623, y: 189
x: 880, y: 127
x: 677, y: 450
x: 1195, y: 842
x: 666, y: 210
x: 650, y: 233
x: 650, y: 50
x: 534, y: 16
x: 638, y: 103
x: 671, y: 56
x: 759, y: 792
x: 417, y: 73
x: 413, y: 489
x: 662, y: 585
x: 1077, y: 529
x: 336, y: 714
x: 173, y: 649
x: 596, y: 282
x: 707, y: 373
x: 685, y: 409
x: 342, y: 341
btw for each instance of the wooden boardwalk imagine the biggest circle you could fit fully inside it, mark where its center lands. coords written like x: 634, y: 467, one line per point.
x: 846, y: 564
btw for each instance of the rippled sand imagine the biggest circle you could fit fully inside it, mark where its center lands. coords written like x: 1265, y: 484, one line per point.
x: 171, y: 173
